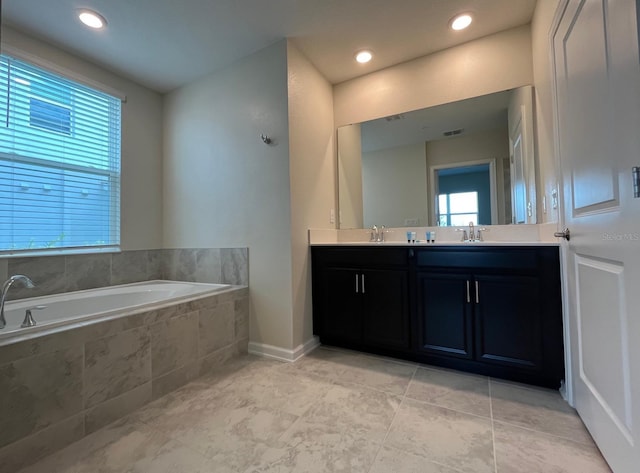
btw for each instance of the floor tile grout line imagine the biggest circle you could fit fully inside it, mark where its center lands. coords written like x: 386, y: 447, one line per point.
x: 395, y: 414
x: 440, y: 406
x: 493, y: 429
x: 371, y: 388
x: 526, y: 387
x: 430, y: 460
x: 530, y: 429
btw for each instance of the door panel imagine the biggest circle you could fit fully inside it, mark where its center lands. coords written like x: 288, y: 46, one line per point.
x: 508, y: 321
x: 342, y: 305
x: 597, y: 99
x: 386, y: 308
x: 594, y: 184
x: 444, y: 314
x: 603, y: 343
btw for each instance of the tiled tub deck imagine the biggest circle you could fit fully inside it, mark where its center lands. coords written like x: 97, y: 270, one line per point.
x: 58, y: 387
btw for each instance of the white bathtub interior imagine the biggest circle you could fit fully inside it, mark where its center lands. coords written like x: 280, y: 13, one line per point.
x: 81, y: 306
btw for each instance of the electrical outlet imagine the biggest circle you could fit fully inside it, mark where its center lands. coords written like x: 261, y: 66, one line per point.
x: 332, y: 216
x: 411, y: 222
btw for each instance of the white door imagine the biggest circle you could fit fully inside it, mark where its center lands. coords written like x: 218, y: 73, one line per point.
x: 521, y: 142
x: 597, y: 81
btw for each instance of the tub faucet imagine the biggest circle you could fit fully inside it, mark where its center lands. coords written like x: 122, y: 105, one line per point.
x: 5, y: 288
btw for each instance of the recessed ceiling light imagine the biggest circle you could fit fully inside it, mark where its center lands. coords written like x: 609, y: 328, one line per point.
x: 364, y: 56
x: 460, y: 22
x: 92, y: 19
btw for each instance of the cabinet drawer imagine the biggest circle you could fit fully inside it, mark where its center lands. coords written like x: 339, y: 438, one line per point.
x: 360, y: 257
x: 478, y: 258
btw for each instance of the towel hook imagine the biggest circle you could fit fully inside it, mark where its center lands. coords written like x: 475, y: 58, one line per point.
x: 266, y: 139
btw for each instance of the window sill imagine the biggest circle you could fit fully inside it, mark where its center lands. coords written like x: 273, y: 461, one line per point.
x: 61, y: 252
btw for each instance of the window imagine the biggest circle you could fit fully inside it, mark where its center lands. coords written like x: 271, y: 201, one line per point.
x: 59, y: 162
x: 457, y: 209
x: 49, y: 116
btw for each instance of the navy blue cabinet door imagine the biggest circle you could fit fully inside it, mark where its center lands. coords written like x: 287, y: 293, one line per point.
x: 444, y: 314
x: 385, y: 307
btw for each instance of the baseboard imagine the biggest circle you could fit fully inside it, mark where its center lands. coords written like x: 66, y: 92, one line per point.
x: 282, y: 354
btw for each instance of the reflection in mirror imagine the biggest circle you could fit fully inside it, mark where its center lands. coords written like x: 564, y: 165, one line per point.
x: 464, y: 195
x: 413, y: 169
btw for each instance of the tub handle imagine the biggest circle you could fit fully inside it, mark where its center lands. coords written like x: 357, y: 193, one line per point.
x: 28, y: 318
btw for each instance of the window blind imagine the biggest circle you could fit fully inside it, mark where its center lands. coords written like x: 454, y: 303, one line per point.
x: 59, y: 162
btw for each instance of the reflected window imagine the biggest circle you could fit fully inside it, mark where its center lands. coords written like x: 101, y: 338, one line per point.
x: 457, y: 209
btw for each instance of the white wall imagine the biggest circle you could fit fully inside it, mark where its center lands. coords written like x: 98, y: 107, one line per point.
x: 141, y: 153
x: 395, y: 186
x: 223, y: 187
x: 350, y: 176
x: 490, y: 64
x: 545, y: 148
x: 312, y: 176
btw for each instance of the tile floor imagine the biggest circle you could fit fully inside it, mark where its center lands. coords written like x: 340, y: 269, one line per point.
x: 340, y: 411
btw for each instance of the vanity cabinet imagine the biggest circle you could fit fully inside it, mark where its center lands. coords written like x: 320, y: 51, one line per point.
x: 490, y: 310
x: 361, y: 298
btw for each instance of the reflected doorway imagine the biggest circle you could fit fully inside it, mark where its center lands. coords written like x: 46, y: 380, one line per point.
x: 464, y: 193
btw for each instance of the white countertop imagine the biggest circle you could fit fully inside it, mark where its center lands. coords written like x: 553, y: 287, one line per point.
x: 424, y: 244
x: 496, y: 235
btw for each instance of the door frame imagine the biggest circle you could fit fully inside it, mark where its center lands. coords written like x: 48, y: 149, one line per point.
x: 566, y: 390
x: 433, y: 186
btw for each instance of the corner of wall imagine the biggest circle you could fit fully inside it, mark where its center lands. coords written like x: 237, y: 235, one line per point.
x: 312, y: 165
x: 545, y: 150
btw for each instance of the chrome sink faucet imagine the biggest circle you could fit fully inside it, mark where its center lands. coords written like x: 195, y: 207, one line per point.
x: 377, y: 234
x: 472, y: 234
x: 5, y: 288
x: 374, y: 233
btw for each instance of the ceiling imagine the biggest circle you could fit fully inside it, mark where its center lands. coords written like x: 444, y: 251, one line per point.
x: 164, y: 44
x: 487, y: 112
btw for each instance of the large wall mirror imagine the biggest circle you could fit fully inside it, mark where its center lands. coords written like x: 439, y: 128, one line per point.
x: 448, y: 165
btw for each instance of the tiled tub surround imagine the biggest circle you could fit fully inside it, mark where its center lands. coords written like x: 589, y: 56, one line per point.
x: 59, y: 387
x: 58, y: 274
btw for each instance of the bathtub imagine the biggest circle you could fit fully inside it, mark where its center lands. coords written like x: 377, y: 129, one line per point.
x: 97, y: 355
x: 73, y: 308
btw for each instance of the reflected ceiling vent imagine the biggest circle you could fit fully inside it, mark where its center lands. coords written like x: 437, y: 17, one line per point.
x: 393, y: 118
x: 453, y: 132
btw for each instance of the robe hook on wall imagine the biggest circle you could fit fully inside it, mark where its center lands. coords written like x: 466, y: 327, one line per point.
x: 266, y: 139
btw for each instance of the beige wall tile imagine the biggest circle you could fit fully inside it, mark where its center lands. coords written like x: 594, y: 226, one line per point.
x: 108, y: 411
x: 174, y: 343
x: 217, y: 328
x: 116, y: 364
x: 39, y: 391
x: 32, y: 448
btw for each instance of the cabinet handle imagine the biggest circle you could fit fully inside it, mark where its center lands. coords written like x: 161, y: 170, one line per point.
x: 477, y: 294
x: 363, y: 283
x: 468, y: 292
x: 356, y: 283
